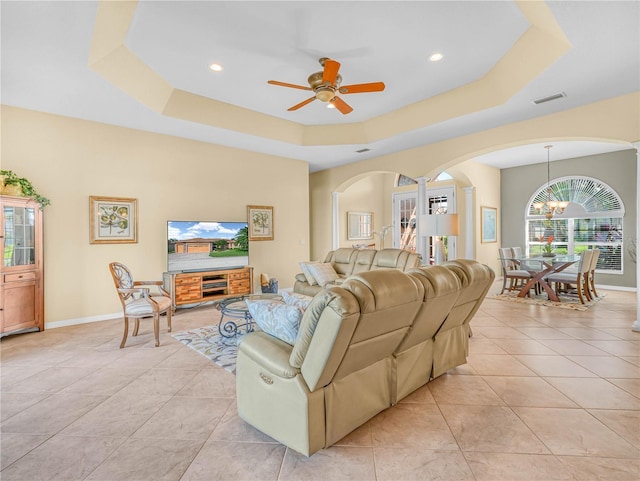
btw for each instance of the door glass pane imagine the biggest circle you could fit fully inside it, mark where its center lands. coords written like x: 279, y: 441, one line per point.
x: 19, y: 236
x: 408, y: 223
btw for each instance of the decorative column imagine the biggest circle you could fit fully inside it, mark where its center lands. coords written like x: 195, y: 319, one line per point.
x: 335, y: 220
x: 421, y: 212
x: 469, y: 228
x: 636, y: 325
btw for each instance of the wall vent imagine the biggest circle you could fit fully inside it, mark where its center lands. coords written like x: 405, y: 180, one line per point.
x: 549, y: 98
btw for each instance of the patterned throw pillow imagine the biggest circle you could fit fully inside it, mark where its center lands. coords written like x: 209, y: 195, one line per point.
x: 324, y: 273
x: 276, y: 318
x: 307, y: 273
x: 294, y: 299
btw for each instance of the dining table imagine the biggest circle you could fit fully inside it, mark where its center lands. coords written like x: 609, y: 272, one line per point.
x: 540, y: 267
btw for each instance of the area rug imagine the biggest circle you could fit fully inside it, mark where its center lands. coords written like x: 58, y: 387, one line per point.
x: 566, y: 302
x: 208, y: 342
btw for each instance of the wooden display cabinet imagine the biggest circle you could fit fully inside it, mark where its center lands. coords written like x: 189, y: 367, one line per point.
x: 21, y: 272
x: 197, y: 287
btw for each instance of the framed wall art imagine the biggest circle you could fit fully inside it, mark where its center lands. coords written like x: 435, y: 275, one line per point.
x: 489, y: 224
x: 113, y: 220
x: 359, y: 225
x: 260, y: 218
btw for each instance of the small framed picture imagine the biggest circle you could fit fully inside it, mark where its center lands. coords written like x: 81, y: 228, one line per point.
x: 260, y: 218
x: 489, y: 224
x: 113, y: 220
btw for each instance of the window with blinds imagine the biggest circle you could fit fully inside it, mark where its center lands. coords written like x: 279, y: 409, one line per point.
x: 593, y: 220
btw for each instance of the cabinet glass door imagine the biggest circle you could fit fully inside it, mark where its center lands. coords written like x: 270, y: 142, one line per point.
x: 19, y: 236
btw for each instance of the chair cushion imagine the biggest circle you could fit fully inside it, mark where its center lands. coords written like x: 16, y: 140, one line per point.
x: 276, y: 318
x: 562, y: 277
x: 142, y: 307
x: 518, y: 273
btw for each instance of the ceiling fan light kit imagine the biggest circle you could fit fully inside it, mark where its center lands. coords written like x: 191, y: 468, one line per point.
x: 326, y: 84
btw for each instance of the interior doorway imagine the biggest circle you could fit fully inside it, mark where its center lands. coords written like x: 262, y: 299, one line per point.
x: 441, y: 200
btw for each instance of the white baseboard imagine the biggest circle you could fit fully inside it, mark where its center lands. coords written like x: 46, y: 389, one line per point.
x: 616, y: 288
x: 81, y: 320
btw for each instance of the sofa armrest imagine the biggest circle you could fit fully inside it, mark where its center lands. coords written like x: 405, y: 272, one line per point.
x: 271, y: 353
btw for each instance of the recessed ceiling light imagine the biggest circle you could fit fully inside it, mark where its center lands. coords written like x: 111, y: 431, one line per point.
x: 436, y: 56
x: 216, y: 67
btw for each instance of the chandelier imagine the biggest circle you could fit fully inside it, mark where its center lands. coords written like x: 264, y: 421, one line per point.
x: 550, y: 207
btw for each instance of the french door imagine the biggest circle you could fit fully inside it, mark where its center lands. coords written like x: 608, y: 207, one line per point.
x: 439, y: 201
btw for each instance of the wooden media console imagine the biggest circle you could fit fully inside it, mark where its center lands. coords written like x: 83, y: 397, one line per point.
x: 204, y: 286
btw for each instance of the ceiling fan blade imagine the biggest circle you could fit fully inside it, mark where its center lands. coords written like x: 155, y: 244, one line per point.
x: 341, y: 105
x: 283, y: 84
x: 361, y: 88
x: 302, y: 104
x: 330, y: 71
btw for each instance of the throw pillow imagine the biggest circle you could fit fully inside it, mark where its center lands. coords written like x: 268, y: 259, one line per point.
x: 294, y: 299
x: 307, y: 273
x: 324, y: 273
x: 308, y: 325
x: 276, y: 318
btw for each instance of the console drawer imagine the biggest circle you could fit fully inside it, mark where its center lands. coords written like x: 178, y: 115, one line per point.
x: 187, y: 280
x: 239, y: 287
x: 186, y: 290
x: 238, y: 275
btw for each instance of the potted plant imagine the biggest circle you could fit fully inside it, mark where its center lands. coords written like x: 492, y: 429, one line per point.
x: 11, y: 184
x: 547, y: 249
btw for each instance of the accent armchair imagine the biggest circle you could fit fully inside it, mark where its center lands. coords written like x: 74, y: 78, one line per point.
x: 139, y: 302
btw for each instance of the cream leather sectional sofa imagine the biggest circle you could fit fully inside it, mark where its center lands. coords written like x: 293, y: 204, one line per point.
x: 362, y: 347
x: 347, y: 261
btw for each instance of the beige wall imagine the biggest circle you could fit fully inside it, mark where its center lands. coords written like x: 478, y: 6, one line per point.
x: 69, y: 160
x: 366, y: 195
x: 616, y: 120
x: 486, y: 193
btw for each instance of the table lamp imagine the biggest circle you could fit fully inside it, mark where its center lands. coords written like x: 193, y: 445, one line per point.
x: 438, y: 225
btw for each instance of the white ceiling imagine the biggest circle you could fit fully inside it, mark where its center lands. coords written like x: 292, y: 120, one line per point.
x: 45, y: 49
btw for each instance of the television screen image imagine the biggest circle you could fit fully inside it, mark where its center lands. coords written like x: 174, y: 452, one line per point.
x: 201, y: 246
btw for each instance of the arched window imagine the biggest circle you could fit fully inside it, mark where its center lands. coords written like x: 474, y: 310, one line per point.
x: 592, y: 220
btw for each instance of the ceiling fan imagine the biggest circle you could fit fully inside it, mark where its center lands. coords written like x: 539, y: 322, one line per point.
x: 326, y: 84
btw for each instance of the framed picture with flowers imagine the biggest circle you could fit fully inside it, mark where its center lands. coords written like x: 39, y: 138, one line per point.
x: 260, y: 222
x: 113, y: 220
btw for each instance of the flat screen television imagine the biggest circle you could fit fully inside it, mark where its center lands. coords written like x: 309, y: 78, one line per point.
x: 200, y: 246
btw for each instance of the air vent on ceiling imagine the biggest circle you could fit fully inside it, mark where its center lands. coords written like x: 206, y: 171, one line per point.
x: 361, y: 151
x: 549, y: 98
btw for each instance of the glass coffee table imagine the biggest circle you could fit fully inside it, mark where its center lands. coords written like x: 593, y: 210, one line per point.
x: 237, y: 312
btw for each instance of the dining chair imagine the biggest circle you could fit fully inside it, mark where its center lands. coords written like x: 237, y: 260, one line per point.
x: 580, y: 279
x: 592, y: 273
x: 510, y: 271
x: 138, y: 300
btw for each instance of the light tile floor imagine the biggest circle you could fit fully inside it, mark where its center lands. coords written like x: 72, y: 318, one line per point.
x: 547, y: 394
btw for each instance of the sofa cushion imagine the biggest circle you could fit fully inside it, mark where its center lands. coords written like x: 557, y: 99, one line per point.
x: 323, y: 273
x: 342, y: 260
x: 307, y: 273
x: 276, y: 318
x: 364, y: 260
x: 294, y: 299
